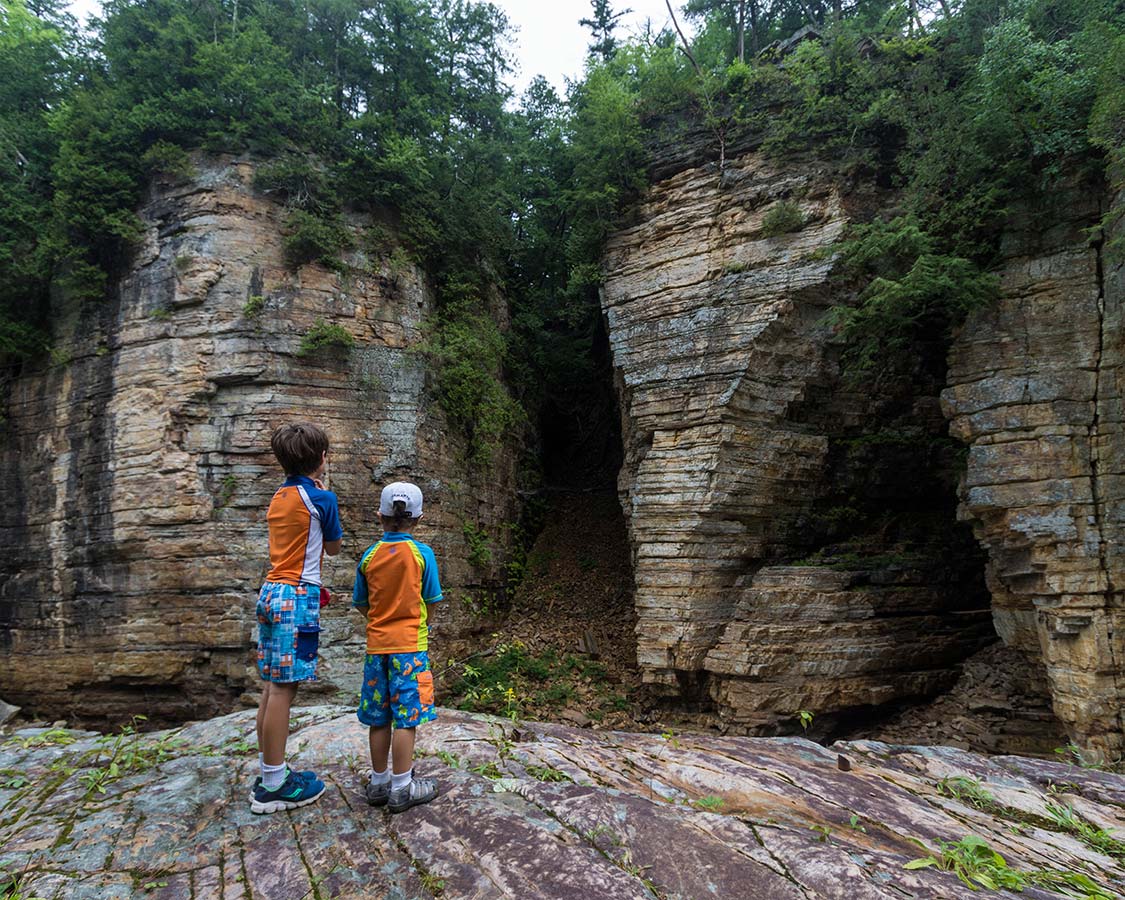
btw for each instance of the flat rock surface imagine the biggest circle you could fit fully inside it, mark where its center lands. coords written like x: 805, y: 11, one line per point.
x: 530, y: 810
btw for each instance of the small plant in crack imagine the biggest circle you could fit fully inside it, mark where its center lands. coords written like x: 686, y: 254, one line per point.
x: 977, y: 866
x: 450, y: 759
x: 433, y: 884
x: 1098, y: 838
x: 595, y: 834
x: 546, y: 773
x: 488, y: 770
x: 967, y: 790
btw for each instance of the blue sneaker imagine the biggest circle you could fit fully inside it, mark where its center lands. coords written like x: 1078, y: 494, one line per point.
x: 306, y: 775
x: 295, y: 791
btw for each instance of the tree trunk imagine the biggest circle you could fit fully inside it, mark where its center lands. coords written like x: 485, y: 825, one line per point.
x: 742, y: 30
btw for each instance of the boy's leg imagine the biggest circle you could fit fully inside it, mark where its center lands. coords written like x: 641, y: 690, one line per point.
x: 379, y: 737
x: 402, y: 751
x: 275, y: 722
x: 262, y: 713
x: 412, y: 704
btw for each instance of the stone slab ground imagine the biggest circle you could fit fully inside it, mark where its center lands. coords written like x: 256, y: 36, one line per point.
x: 533, y: 810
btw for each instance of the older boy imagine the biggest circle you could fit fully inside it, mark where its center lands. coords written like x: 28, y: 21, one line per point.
x: 395, y: 581
x: 304, y: 523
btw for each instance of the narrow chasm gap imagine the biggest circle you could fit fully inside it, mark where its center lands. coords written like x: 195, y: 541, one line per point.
x: 564, y: 649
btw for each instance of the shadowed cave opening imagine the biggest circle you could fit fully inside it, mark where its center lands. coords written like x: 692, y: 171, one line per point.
x: 930, y: 667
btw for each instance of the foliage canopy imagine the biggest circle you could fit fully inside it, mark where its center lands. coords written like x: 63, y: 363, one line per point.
x: 357, y: 106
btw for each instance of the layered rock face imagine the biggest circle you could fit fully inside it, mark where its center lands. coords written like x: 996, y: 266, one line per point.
x: 710, y: 325
x: 138, y: 471
x: 1036, y: 391
x: 733, y: 418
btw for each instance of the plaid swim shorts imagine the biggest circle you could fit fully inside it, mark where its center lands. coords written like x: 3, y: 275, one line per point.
x: 288, y: 631
x: 397, y: 687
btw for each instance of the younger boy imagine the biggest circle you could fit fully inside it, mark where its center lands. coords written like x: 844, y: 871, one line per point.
x: 395, y: 582
x: 304, y: 523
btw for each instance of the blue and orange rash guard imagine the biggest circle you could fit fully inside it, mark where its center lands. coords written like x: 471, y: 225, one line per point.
x: 301, y: 518
x: 394, y: 582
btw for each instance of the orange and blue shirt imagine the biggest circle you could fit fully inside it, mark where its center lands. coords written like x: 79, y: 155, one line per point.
x: 395, y: 580
x: 301, y: 518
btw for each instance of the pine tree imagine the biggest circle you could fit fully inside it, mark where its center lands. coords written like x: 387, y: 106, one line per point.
x: 602, y: 25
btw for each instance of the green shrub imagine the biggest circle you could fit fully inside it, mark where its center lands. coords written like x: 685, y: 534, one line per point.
x: 168, y: 159
x: 253, y: 307
x: 21, y: 341
x: 480, y: 553
x: 312, y: 238
x: 914, y: 295
x: 782, y: 218
x: 466, y: 351
x: 325, y: 336
x: 302, y: 182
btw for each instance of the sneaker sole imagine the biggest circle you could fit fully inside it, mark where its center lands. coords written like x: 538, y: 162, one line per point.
x: 272, y: 806
x: 418, y: 801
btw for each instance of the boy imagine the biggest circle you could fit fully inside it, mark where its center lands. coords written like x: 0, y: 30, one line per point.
x: 395, y: 582
x: 304, y: 523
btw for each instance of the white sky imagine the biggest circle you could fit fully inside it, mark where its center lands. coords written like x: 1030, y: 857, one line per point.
x: 549, y: 41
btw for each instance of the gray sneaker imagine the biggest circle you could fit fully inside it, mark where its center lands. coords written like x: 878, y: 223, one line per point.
x: 377, y: 794
x: 419, y: 791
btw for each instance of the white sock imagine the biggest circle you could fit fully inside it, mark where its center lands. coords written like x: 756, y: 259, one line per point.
x: 378, y: 778
x: 398, y: 782
x: 262, y: 764
x: 273, y: 776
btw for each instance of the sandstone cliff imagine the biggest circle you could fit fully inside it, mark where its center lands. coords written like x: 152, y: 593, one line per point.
x: 741, y: 439
x: 739, y: 433
x: 532, y: 810
x: 137, y: 467
x: 1036, y: 390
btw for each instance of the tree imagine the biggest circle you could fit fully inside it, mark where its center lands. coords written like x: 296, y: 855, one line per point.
x: 35, y: 76
x: 602, y: 25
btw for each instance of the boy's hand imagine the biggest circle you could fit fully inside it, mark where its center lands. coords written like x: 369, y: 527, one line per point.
x: 319, y: 485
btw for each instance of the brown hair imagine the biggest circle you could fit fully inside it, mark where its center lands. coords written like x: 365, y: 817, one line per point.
x: 400, y: 517
x: 299, y: 447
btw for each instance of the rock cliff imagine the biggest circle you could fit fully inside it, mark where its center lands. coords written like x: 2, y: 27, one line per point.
x: 745, y: 450
x: 137, y: 465
x: 532, y: 810
x: 1036, y: 391
x: 743, y: 445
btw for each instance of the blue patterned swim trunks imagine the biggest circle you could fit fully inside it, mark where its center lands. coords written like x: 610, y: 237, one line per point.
x: 288, y: 632
x: 397, y: 687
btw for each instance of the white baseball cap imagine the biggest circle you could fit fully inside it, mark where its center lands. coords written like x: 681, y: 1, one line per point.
x: 409, y: 493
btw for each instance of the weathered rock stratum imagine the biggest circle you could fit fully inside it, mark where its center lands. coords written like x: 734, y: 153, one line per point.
x: 137, y: 468
x: 742, y: 441
x: 1036, y: 391
x: 531, y: 810
x: 737, y: 427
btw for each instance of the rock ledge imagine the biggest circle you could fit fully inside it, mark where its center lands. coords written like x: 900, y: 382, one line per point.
x: 529, y: 810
